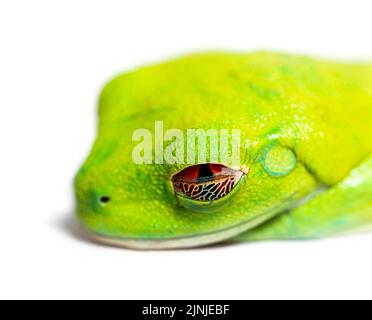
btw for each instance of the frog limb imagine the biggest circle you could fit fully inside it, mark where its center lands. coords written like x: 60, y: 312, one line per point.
x: 344, y: 208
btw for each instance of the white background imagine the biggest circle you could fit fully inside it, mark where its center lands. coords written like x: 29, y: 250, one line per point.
x: 54, y: 58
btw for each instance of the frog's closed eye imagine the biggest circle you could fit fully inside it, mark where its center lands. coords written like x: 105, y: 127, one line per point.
x: 205, y: 183
x: 277, y: 160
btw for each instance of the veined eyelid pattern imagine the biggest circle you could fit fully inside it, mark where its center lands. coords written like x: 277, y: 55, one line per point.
x: 214, y: 186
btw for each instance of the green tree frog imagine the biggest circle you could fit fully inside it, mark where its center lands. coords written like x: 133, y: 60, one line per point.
x: 305, y: 168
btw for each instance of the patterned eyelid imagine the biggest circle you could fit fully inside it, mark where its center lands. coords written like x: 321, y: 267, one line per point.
x: 206, y: 182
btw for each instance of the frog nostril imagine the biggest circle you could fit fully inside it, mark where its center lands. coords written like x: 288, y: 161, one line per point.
x: 104, y: 199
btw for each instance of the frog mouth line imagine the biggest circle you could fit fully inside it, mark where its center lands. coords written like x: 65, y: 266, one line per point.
x: 184, y: 242
x: 201, y: 240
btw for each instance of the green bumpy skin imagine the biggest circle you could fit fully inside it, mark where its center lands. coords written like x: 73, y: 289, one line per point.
x: 308, y: 123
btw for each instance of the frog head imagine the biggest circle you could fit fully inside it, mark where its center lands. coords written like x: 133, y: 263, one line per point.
x: 175, y: 204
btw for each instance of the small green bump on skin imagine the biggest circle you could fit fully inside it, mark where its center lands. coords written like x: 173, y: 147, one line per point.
x: 278, y: 161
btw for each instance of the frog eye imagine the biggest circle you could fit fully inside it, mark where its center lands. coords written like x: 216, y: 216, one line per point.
x: 277, y: 160
x: 202, y: 185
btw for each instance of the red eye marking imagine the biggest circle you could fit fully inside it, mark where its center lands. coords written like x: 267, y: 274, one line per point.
x: 215, y: 168
x: 188, y: 173
x: 206, y: 182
